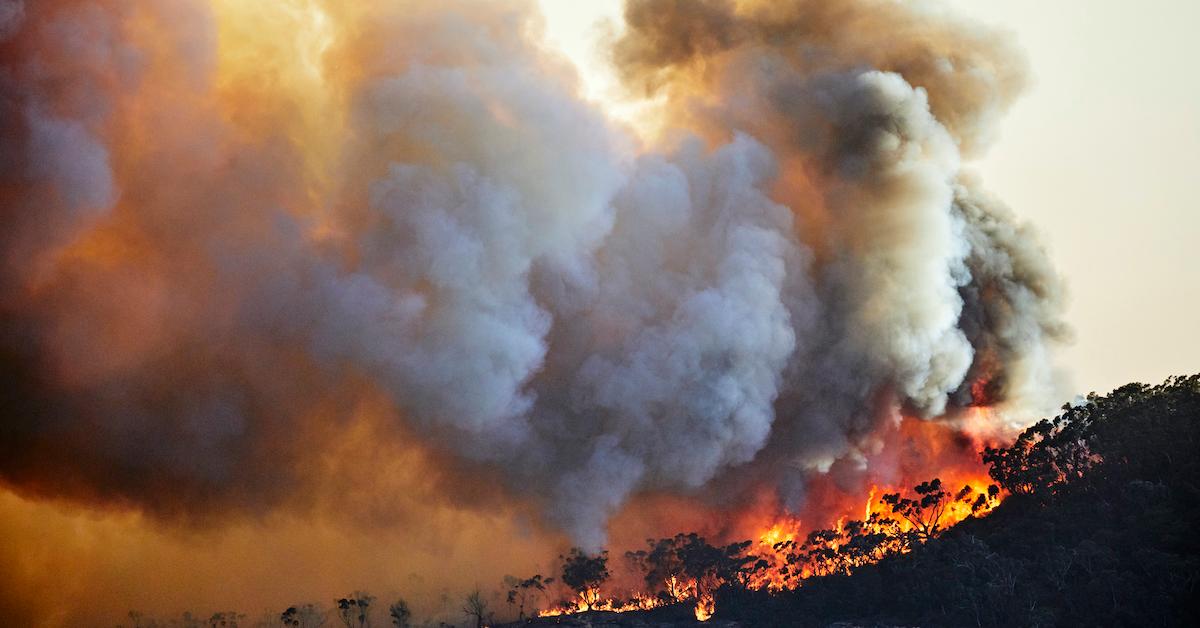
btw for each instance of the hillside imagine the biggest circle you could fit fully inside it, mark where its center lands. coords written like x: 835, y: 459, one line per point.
x: 1100, y: 528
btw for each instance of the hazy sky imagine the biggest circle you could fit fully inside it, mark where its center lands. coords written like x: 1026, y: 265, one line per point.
x: 1102, y: 154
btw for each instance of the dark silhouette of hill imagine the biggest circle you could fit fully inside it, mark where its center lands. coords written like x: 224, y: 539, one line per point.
x: 1101, y: 528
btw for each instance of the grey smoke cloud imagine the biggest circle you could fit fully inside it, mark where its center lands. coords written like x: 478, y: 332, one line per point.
x: 746, y: 304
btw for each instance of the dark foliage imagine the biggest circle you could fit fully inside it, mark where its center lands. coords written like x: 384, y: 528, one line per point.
x: 584, y: 573
x: 671, y: 566
x: 925, y: 510
x: 353, y: 610
x: 399, y: 613
x: 303, y: 616
x: 476, y: 608
x: 1101, y: 529
x: 522, y: 591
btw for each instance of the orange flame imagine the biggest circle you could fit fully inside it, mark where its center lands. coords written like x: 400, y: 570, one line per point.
x: 705, y: 607
x: 947, y: 450
x: 590, y: 601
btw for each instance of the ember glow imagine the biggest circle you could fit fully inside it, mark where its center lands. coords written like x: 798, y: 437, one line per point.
x: 330, y: 273
x: 591, y: 601
x: 796, y: 546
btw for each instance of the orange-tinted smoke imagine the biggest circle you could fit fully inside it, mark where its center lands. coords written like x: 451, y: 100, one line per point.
x: 365, y: 294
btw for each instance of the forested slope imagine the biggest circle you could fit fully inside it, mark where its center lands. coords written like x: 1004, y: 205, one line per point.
x: 1100, y: 529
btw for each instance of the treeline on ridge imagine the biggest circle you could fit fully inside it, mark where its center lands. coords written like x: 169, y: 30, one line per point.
x: 1099, y: 528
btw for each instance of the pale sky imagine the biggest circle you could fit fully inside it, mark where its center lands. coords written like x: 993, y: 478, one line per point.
x: 1102, y: 155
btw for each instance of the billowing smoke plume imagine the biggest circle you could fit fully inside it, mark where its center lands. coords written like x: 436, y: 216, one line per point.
x: 224, y: 226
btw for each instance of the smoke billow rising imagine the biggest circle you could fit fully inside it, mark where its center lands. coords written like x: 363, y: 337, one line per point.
x: 228, y: 226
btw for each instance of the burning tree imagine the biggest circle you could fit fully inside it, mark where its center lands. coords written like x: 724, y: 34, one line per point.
x: 925, y: 511
x: 661, y: 567
x: 710, y: 566
x: 686, y: 565
x: 584, y: 573
x: 843, y: 548
x: 852, y: 544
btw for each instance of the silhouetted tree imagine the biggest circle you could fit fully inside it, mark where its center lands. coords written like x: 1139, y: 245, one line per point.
x: 302, y: 616
x: 867, y: 542
x: 355, y: 609
x: 476, y: 607
x: 925, y: 511
x: 712, y: 565
x: 521, y: 589
x: 661, y: 567
x: 399, y: 613
x: 686, y: 565
x: 584, y: 574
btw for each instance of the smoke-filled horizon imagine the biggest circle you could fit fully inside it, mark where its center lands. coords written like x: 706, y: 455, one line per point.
x: 383, y: 260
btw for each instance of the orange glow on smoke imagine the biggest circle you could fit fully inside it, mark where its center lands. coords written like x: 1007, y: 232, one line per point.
x: 373, y: 503
x: 947, y: 450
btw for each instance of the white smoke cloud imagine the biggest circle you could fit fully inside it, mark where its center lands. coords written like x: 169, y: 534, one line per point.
x: 689, y: 331
x: 488, y: 250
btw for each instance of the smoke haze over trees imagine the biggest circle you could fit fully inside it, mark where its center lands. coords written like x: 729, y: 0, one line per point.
x: 1109, y: 541
x: 484, y: 251
x: 277, y: 279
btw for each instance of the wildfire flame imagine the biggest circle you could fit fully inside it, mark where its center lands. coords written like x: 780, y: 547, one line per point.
x: 253, y: 245
x: 946, y: 451
x: 590, y: 601
x: 705, y: 607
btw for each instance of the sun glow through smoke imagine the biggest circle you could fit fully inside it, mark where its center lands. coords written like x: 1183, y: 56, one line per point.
x: 582, y: 32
